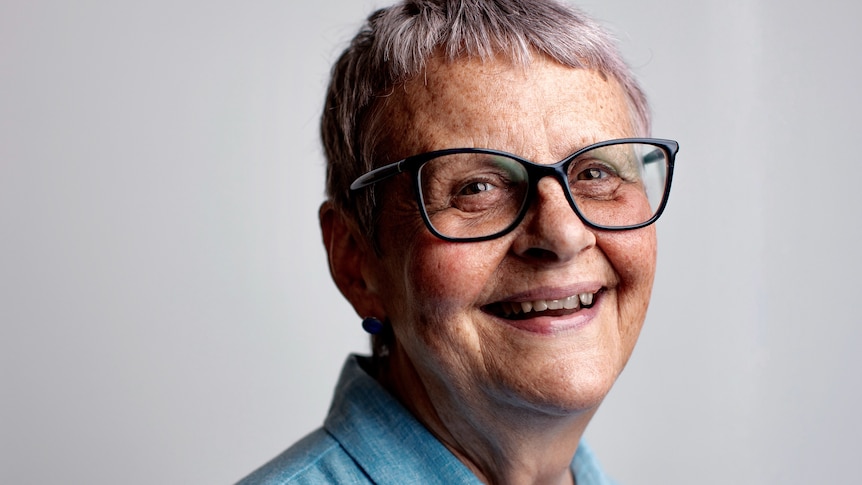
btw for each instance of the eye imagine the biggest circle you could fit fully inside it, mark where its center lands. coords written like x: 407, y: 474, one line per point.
x: 474, y: 188
x: 481, y: 193
x: 592, y: 173
x: 472, y: 184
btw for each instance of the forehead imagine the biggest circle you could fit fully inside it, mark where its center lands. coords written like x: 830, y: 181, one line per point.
x: 541, y: 110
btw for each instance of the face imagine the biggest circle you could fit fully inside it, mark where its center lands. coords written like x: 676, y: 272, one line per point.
x: 448, y: 302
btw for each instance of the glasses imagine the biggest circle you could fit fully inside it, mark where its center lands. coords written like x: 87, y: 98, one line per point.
x: 476, y: 194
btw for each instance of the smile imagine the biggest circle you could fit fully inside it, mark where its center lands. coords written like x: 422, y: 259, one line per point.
x: 534, y: 308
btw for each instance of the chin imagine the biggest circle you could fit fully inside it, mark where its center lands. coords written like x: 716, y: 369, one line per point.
x: 560, y: 387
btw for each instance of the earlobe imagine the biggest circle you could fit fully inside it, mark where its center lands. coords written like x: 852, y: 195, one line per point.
x: 348, y: 256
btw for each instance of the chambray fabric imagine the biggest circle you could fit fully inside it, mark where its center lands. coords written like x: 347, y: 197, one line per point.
x: 370, y: 438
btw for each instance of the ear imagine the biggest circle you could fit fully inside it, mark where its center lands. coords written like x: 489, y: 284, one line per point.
x: 351, y: 262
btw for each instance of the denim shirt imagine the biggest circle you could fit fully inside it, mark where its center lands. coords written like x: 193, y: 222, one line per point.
x: 370, y: 438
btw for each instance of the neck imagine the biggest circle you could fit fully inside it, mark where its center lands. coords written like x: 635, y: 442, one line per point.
x: 501, y: 442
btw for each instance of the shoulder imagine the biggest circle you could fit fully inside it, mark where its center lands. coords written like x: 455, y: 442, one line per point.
x: 367, y: 437
x: 317, y: 458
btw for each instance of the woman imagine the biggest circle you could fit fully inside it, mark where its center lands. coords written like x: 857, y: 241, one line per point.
x: 489, y: 216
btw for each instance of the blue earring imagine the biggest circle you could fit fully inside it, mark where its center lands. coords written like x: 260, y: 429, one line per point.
x: 372, y: 325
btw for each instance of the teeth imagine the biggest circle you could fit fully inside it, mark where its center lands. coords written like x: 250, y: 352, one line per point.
x: 570, y: 303
x: 511, y: 308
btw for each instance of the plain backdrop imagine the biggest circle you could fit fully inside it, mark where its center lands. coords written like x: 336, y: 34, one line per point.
x: 166, y: 314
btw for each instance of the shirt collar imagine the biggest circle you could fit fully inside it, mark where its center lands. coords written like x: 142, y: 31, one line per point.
x: 386, y: 441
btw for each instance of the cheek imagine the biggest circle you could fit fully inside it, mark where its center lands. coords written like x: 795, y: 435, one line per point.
x: 425, y: 278
x: 435, y: 319
x: 633, y: 256
x: 448, y: 277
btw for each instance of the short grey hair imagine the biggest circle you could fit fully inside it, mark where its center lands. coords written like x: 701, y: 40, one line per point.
x: 393, y: 47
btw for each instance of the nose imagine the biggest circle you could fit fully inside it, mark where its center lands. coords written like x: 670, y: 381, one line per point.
x: 551, y: 231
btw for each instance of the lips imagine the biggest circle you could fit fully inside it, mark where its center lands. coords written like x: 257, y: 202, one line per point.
x: 516, y: 310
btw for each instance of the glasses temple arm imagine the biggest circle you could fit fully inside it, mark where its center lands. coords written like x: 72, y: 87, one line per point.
x: 377, y: 175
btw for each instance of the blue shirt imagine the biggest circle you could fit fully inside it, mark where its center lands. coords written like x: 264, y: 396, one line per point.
x: 370, y: 438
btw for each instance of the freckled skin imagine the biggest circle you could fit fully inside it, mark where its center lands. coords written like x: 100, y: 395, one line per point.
x: 511, y: 404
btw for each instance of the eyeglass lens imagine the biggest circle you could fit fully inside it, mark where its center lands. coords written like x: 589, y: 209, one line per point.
x: 472, y: 195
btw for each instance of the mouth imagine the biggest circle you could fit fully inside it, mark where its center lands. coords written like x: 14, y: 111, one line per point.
x: 520, y: 310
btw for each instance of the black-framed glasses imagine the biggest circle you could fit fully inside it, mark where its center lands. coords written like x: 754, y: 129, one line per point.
x: 476, y: 194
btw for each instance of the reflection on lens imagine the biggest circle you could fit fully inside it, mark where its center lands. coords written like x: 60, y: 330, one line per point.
x: 618, y: 185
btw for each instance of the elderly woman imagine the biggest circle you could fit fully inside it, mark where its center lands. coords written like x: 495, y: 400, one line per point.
x: 491, y: 195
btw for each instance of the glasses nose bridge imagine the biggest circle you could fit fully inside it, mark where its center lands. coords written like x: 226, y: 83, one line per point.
x: 536, y: 172
x: 557, y: 171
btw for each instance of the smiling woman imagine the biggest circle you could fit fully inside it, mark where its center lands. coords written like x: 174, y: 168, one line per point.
x: 491, y: 201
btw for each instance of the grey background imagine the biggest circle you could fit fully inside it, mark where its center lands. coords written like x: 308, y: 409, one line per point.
x: 167, y: 316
